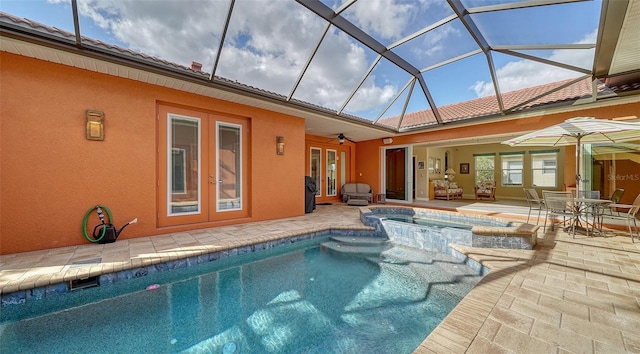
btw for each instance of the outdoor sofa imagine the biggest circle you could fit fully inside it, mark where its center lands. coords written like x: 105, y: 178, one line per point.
x: 356, y: 191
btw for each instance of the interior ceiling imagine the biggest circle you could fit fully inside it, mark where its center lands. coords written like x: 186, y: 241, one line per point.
x: 614, y: 58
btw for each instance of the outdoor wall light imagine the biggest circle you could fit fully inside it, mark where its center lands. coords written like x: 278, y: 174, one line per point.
x: 280, y: 145
x: 95, y: 125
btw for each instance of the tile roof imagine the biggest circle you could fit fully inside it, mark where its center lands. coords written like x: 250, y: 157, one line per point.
x: 513, y: 101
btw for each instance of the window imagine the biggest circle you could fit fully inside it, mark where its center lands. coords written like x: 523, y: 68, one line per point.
x: 544, y: 167
x: 485, y: 166
x: 512, y: 166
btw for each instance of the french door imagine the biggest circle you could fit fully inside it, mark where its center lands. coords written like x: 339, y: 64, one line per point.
x: 329, y: 169
x: 202, y: 172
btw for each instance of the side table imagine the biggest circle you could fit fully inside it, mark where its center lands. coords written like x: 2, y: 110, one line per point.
x: 381, y: 198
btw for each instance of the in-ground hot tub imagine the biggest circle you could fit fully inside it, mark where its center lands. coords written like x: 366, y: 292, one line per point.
x: 434, y: 230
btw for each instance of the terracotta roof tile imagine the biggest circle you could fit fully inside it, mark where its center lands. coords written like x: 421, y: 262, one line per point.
x: 517, y: 100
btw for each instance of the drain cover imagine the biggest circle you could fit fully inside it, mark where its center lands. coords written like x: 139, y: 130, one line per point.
x: 229, y: 348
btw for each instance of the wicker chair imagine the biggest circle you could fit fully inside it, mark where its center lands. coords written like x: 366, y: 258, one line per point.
x: 486, y: 190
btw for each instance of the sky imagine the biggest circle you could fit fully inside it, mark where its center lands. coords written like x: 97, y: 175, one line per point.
x: 269, y: 42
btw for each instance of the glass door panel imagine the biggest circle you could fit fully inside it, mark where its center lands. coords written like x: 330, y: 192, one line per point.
x: 228, y: 163
x: 316, y: 168
x: 331, y: 172
x: 229, y: 173
x: 343, y: 168
x: 184, y: 166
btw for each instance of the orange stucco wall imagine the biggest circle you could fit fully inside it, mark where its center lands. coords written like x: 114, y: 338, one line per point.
x: 50, y: 174
x: 368, y: 154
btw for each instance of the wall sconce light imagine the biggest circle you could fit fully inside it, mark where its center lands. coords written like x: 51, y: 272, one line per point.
x: 280, y: 145
x: 387, y: 141
x: 95, y: 125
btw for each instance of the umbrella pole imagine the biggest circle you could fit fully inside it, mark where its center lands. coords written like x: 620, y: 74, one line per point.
x: 578, y: 178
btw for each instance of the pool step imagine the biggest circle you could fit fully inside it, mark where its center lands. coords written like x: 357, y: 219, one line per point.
x: 362, y: 246
x: 360, y: 240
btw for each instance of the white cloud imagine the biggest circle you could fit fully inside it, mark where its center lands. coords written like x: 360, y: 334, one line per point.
x: 435, y: 42
x: 178, y: 31
x: 387, y: 18
x: 335, y: 71
x: 266, y: 45
x: 521, y: 74
x: 369, y: 95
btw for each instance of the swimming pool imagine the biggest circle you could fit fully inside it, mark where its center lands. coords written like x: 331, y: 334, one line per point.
x: 336, y: 294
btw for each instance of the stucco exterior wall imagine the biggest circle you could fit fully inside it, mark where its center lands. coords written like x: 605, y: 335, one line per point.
x: 51, y: 174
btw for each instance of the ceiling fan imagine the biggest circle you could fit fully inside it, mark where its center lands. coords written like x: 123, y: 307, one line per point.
x: 342, y: 138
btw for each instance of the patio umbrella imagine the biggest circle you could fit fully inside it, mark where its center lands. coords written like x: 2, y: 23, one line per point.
x: 580, y: 130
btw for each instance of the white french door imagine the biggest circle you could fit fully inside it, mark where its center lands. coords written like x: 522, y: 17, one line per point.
x: 201, y: 173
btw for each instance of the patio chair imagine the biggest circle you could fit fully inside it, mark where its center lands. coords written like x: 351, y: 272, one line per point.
x: 629, y: 216
x: 561, y: 204
x: 615, y: 198
x: 486, y: 190
x: 535, y: 203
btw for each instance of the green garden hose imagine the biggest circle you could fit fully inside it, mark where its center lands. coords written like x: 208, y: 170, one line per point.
x: 104, y: 227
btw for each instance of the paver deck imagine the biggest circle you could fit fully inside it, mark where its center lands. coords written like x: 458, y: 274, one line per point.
x: 567, y: 295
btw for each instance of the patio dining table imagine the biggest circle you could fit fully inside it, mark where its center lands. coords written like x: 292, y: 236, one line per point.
x: 594, y: 207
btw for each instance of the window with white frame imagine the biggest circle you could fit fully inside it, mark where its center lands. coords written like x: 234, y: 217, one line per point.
x: 512, y: 168
x: 485, y: 168
x: 544, y: 168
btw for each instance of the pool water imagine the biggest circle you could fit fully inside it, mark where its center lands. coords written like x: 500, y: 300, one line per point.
x: 336, y: 295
